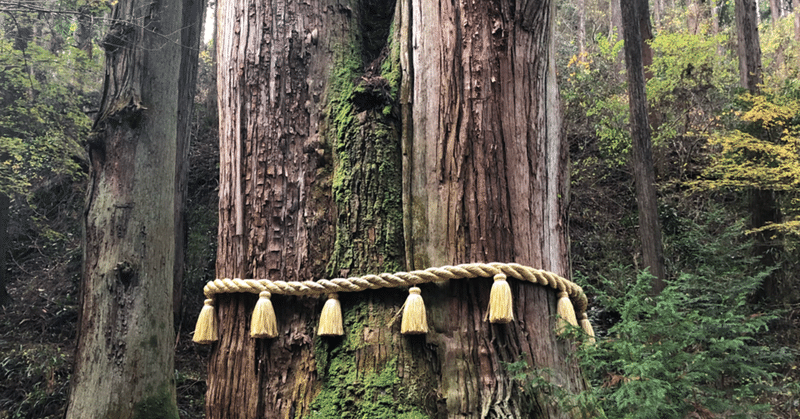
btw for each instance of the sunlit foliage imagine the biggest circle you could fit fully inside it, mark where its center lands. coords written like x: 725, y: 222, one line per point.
x: 43, y: 119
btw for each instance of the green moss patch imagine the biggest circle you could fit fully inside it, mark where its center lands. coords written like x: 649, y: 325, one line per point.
x: 161, y: 405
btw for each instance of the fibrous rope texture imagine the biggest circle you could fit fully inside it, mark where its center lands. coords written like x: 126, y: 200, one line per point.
x: 399, y: 279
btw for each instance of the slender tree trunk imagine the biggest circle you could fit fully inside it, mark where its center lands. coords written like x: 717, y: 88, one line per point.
x: 763, y: 203
x: 774, y: 11
x: 758, y: 12
x: 748, y: 45
x: 85, y: 30
x: 715, y: 16
x: 5, y: 206
x: 333, y: 166
x: 124, y: 362
x: 764, y: 210
x: 775, y: 15
x: 658, y: 13
x: 634, y: 16
x: 615, y: 28
x: 582, y: 28
x: 693, y: 17
x: 796, y: 9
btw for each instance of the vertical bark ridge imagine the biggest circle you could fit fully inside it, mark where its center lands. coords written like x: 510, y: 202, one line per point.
x: 491, y: 187
x: 272, y: 73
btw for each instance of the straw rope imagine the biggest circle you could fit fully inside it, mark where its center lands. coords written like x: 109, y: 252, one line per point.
x: 399, y: 279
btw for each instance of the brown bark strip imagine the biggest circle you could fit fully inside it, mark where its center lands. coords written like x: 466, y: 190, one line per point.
x: 273, y: 65
x: 487, y: 182
x: 748, y: 44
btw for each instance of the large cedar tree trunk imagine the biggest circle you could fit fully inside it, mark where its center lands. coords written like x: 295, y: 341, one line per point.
x: 349, y: 149
x: 138, y: 150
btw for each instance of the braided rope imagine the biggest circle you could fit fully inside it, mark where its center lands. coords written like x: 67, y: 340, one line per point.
x: 399, y: 279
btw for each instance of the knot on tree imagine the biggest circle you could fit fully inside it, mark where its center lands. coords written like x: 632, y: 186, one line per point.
x: 126, y: 108
x: 119, y: 35
x: 126, y: 273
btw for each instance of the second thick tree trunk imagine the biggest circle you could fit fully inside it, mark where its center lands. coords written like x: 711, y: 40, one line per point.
x: 124, y: 362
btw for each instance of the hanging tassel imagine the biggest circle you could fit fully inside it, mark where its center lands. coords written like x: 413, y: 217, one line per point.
x: 566, y: 313
x: 501, y: 308
x: 415, y: 321
x: 206, y: 330
x: 587, y: 327
x: 263, y: 324
x: 330, y: 322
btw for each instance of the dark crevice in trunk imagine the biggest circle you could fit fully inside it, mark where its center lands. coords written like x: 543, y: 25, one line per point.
x: 375, y: 23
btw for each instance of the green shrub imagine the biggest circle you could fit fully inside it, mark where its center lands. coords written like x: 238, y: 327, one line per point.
x: 692, y: 348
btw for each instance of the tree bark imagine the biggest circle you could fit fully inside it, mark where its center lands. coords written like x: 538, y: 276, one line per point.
x: 615, y: 29
x: 775, y: 15
x: 331, y: 166
x: 634, y: 16
x: 715, y: 7
x: 658, y: 13
x: 774, y: 11
x: 748, y: 45
x: 490, y: 184
x: 694, y: 16
x: 582, y: 29
x: 124, y: 361
x: 5, y: 206
x: 764, y: 207
x: 796, y: 9
x: 84, y: 30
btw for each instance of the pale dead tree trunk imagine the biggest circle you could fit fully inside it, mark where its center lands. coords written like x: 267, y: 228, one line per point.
x: 693, y: 16
x: 796, y: 10
x: 658, y: 13
x: 582, y: 28
x: 634, y: 17
x: 615, y: 29
x: 332, y: 166
x: 775, y: 15
x: 715, y: 19
x: 124, y: 361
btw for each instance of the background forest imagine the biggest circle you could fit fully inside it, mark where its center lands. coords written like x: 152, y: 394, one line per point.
x: 720, y: 341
